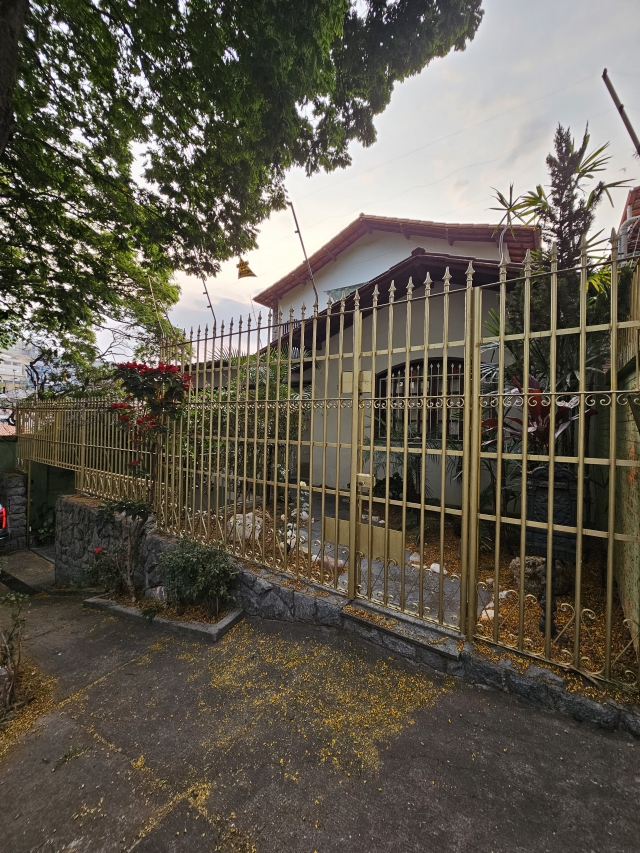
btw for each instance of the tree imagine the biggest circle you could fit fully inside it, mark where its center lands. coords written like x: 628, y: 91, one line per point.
x: 153, y: 136
x: 565, y: 215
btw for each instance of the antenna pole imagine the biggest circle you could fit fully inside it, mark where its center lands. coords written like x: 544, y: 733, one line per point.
x: 206, y: 293
x: 304, y: 251
x: 621, y: 110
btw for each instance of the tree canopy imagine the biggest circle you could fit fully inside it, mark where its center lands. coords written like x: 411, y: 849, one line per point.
x: 149, y: 136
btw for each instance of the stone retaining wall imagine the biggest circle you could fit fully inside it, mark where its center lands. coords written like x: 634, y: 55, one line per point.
x: 13, y: 496
x: 78, y: 533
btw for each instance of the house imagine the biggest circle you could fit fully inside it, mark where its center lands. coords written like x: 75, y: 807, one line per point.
x: 377, y: 258
x: 629, y: 231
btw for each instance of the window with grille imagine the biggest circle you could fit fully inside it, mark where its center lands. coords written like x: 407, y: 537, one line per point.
x: 431, y: 399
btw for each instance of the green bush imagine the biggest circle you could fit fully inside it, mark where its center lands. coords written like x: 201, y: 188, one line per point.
x: 195, y: 573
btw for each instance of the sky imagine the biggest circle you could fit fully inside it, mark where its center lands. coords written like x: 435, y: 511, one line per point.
x: 475, y: 120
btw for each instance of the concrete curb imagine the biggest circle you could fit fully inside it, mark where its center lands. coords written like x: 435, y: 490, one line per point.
x: 191, y: 630
x: 267, y: 596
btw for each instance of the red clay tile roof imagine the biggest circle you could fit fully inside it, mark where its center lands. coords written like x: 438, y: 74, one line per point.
x: 522, y: 237
x: 633, y: 201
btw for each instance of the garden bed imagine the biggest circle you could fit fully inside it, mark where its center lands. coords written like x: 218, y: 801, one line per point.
x: 209, y: 631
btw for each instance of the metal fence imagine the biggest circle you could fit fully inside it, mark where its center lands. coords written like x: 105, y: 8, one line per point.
x: 376, y: 447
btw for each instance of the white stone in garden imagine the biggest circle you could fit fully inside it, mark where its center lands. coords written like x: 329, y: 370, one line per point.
x: 245, y: 527
x: 155, y: 593
x: 328, y: 561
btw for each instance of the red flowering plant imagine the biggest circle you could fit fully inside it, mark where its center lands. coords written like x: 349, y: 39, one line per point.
x: 153, y: 394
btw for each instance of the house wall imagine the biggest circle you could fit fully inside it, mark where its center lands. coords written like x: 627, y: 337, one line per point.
x: 331, y: 421
x: 370, y: 256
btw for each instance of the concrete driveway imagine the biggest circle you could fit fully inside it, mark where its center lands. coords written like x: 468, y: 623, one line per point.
x: 290, y: 738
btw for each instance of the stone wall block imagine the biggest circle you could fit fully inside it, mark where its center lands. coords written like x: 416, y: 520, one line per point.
x: 407, y: 650
x: 631, y: 722
x: 483, y: 672
x: 431, y: 658
x: 261, y: 586
x: 13, y: 496
x: 328, y: 613
x: 304, y: 607
x: 581, y: 708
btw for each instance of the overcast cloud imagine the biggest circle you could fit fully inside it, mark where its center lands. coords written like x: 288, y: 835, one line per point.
x: 475, y: 120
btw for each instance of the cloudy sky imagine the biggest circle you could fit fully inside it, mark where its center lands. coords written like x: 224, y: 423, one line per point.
x: 475, y: 120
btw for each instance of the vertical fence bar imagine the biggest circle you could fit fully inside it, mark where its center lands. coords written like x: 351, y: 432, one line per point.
x: 180, y: 450
x: 469, y: 461
x: 525, y: 446
x: 444, y: 402
x: 287, y: 439
x: 298, y: 520
x: 582, y: 386
x: 312, y: 425
x: 246, y: 373
x: 221, y: 519
x: 405, y: 438
x: 423, y: 437
x: 192, y: 435
x: 389, y: 427
x: 265, y: 434
x: 227, y: 436
x: 276, y: 441
x: 202, y: 410
x: 83, y: 447
x: 476, y: 427
x: 211, y: 532
x: 354, y: 510
x: 372, y: 430
x: 549, y: 593
x: 236, y: 445
x: 499, y: 450
x: 323, y: 494
x: 613, y: 436
x: 255, y: 541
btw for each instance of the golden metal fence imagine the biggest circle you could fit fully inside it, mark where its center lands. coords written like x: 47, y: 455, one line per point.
x: 376, y: 448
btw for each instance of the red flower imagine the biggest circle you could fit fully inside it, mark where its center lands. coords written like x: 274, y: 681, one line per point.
x: 98, y: 550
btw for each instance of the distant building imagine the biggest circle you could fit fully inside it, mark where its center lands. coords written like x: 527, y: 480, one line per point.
x: 13, y: 368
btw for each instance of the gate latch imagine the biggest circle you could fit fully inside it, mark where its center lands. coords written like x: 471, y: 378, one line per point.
x: 365, y: 481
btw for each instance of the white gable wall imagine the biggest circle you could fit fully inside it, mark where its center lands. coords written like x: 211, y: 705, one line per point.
x: 369, y: 257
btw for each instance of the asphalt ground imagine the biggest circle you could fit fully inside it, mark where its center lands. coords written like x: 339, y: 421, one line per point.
x: 283, y: 737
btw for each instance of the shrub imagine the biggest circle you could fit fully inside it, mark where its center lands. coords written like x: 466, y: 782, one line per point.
x: 195, y: 573
x: 122, y: 561
x: 108, y: 569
